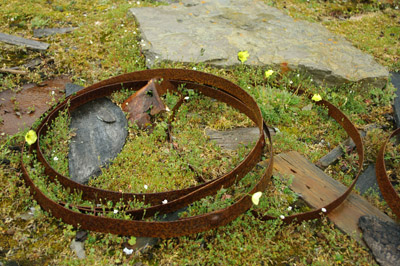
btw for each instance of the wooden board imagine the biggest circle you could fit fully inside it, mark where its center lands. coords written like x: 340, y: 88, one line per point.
x: 318, y: 189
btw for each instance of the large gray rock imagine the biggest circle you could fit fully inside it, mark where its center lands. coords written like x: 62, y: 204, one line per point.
x: 383, y: 238
x: 101, y: 130
x: 214, y: 31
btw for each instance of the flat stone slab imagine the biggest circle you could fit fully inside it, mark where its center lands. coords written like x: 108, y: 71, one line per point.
x: 367, y: 181
x: 39, y: 33
x: 383, y: 238
x: 234, y: 138
x: 31, y: 44
x: 214, y: 31
x: 101, y: 130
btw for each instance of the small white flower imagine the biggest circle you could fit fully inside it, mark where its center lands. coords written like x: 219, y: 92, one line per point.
x: 298, y: 75
x: 128, y: 251
x: 52, y: 92
x: 186, y: 98
x: 115, y: 211
x: 138, y: 2
x: 146, y: 186
x: 289, y: 208
x: 311, y: 80
x: 125, y: 30
x: 165, y: 201
x: 156, y: 56
x: 194, y: 68
x: 55, y: 158
x: 122, y: 25
x: 282, y: 217
x: 91, y: 42
x: 167, y: 109
x: 290, y: 82
x: 323, y: 210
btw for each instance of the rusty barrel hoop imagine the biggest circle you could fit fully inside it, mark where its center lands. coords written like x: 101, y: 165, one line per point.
x: 209, y: 85
x: 388, y: 192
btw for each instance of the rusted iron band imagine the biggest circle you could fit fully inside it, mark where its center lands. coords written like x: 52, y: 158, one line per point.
x: 229, y: 93
x: 352, y: 131
x: 208, y: 85
x: 388, y: 192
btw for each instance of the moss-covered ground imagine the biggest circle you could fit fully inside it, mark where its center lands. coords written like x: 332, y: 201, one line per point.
x: 107, y: 43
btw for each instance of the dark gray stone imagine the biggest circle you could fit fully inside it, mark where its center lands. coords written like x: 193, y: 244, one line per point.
x: 233, y: 138
x: 71, y: 88
x: 383, y: 238
x: 101, y: 130
x: 396, y: 105
x: 214, y: 31
x: 144, y: 244
x: 15, y: 40
x: 367, y: 181
x: 39, y: 33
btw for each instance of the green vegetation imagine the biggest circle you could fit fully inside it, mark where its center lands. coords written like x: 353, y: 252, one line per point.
x: 107, y: 44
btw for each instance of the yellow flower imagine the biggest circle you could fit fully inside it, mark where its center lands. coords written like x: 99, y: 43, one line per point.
x: 256, y: 197
x: 31, y: 137
x: 316, y: 98
x: 268, y: 73
x: 243, y: 55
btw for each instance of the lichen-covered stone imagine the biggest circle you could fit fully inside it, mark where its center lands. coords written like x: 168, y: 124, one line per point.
x: 214, y: 31
x: 383, y: 238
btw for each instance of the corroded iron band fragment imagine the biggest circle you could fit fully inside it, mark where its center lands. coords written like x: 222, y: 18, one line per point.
x: 388, y: 192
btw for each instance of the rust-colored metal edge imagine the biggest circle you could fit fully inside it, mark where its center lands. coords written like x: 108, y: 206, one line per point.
x: 181, y: 226
x: 209, y: 85
x: 352, y: 131
x: 388, y: 192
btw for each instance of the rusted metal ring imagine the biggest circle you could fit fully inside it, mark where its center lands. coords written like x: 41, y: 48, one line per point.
x: 388, y: 192
x: 208, y: 85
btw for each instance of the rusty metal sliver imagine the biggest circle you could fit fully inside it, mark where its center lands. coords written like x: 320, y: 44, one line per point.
x: 390, y: 195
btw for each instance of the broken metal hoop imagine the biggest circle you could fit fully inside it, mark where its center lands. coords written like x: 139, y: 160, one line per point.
x: 208, y: 85
x: 388, y: 192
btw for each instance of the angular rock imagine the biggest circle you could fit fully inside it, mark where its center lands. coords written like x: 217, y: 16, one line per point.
x: 383, y: 238
x: 214, y: 31
x: 71, y: 88
x: 78, y: 248
x: 232, y: 139
x: 367, y: 181
x: 39, y: 33
x: 396, y: 105
x: 101, y: 130
x: 31, y: 44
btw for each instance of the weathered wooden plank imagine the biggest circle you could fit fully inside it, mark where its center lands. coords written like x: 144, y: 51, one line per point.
x: 318, y: 189
x: 15, y: 40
